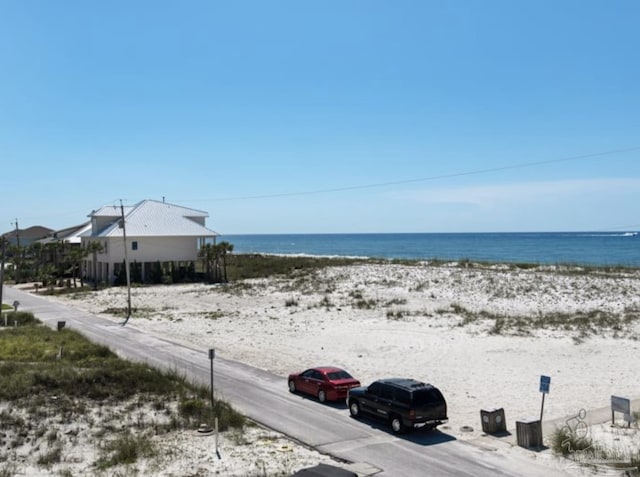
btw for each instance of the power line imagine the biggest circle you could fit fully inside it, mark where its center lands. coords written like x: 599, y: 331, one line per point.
x: 422, y: 179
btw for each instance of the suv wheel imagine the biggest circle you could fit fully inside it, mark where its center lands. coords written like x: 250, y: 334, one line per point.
x: 292, y: 386
x: 396, y: 425
x: 354, y: 409
x: 322, y: 397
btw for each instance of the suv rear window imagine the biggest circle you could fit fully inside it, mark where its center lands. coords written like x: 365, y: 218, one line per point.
x: 423, y: 397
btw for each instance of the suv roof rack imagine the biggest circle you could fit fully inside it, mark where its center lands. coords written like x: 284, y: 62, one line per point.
x: 407, y: 383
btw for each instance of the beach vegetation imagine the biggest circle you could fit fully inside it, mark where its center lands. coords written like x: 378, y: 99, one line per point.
x: 356, y: 294
x: 524, y: 266
x: 365, y: 304
x: 593, y: 454
x: 421, y: 286
x: 56, y: 378
x: 52, y: 456
x: 125, y: 449
x: 140, y: 312
x: 582, y: 323
x: 8, y: 469
x: 565, y: 442
x: 291, y: 302
x: 212, y: 315
x: 215, y: 258
x: 325, y: 302
x: 237, y: 288
x: 396, y: 314
x: 245, y: 266
x: 18, y: 318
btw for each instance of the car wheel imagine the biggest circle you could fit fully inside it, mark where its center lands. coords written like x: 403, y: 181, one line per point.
x: 322, y: 397
x: 354, y: 408
x: 396, y: 425
x: 292, y: 386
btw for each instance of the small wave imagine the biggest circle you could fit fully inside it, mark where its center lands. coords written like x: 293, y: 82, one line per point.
x: 617, y: 234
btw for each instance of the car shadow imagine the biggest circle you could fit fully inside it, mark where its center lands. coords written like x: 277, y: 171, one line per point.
x: 334, y: 404
x: 420, y: 436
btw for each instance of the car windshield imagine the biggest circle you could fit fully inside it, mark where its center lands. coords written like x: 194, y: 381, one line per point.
x: 336, y: 375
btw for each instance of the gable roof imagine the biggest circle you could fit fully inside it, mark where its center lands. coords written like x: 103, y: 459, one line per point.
x: 68, y: 235
x: 151, y: 218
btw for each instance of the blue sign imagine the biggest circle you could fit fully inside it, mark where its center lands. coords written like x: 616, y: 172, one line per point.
x: 545, y: 383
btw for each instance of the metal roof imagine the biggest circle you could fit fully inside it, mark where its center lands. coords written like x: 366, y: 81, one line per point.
x: 152, y: 218
x: 68, y: 235
x: 110, y: 211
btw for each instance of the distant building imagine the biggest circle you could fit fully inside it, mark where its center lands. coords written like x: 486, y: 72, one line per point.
x: 57, y: 245
x: 26, y: 237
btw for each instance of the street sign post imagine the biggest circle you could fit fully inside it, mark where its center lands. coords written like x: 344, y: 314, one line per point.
x: 545, y: 384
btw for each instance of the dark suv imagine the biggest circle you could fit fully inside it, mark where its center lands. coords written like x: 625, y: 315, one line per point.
x: 404, y: 403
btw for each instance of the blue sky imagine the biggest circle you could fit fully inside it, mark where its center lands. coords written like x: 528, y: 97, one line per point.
x: 335, y: 116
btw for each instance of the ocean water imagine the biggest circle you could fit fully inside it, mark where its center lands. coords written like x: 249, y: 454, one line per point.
x: 582, y: 248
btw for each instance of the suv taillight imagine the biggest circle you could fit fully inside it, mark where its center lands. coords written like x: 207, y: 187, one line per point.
x: 412, y: 414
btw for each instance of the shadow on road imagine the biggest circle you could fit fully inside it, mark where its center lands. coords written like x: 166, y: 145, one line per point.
x: 424, y: 437
x: 334, y: 404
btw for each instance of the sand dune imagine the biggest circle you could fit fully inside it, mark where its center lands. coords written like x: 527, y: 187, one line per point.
x: 483, y: 335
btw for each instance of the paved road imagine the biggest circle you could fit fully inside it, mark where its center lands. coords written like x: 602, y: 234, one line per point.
x: 264, y: 397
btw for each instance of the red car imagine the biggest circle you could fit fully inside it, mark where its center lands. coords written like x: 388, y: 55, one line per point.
x: 327, y: 383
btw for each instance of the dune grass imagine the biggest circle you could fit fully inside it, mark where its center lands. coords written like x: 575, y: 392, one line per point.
x: 592, y: 454
x: 46, y: 373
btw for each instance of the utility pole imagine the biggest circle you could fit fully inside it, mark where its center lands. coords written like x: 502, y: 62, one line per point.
x: 17, y: 263
x: 4, y: 244
x: 17, y: 234
x: 126, y: 265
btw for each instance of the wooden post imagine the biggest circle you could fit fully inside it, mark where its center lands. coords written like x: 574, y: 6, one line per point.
x: 217, y: 448
x: 212, y: 355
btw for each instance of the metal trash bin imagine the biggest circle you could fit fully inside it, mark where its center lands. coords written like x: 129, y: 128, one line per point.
x: 493, y: 420
x: 61, y: 324
x: 529, y: 433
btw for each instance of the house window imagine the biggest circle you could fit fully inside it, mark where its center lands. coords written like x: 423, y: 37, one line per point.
x: 134, y: 245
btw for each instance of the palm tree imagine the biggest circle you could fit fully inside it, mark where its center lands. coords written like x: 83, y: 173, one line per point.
x: 75, y: 256
x: 208, y: 254
x: 17, y: 256
x: 94, y: 248
x: 36, y: 252
x: 224, y: 248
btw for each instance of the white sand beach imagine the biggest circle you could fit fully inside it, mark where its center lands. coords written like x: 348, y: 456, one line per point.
x: 433, y: 323
x: 482, y: 334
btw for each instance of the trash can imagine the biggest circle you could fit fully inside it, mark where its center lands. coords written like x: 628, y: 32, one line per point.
x: 61, y: 324
x: 529, y: 433
x: 493, y: 420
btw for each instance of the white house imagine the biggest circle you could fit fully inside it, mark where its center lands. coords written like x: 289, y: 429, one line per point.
x: 157, y: 233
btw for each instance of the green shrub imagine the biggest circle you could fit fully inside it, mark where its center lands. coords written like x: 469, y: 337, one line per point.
x: 125, y: 449
x: 19, y: 318
x: 564, y: 441
x: 53, y: 456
